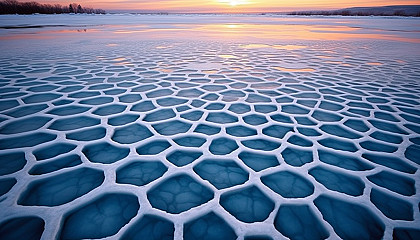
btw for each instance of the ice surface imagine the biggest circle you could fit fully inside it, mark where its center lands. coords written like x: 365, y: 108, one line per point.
x: 24, y: 125
x: 61, y: 188
x: 104, y: 153
x: 221, y: 173
x: 406, y: 233
x: 345, y: 217
x: 299, y: 222
x: 190, y: 141
x: 297, y: 157
x: 396, y: 183
x: 343, y: 161
x: 288, y: 184
x: 131, y: 133
x: 53, y: 150
x: 223, y: 146
x: 11, y: 162
x: 151, y: 227
x: 6, y: 184
x: 258, y: 161
x: 171, y: 127
x: 181, y: 157
x: 178, y: 194
x: 22, y: 228
x: 55, y: 165
x: 153, y: 147
x: 339, y: 182
x: 140, y: 173
x: 125, y: 126
x: 100, y: 218
x: 391, y: 206
x: 209, y: 226
x: 247, y: 204
x: 88, y: 134
x: 30, y: 140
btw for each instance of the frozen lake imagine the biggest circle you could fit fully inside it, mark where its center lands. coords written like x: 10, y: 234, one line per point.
x: 209, y: 127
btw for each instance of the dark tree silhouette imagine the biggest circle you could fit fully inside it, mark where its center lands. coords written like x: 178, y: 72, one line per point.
x: 15, y: 7
x: 79, y: 9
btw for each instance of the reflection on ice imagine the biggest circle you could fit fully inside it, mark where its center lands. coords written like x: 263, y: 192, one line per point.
x: 209, y: 127
x: 284, y: 47
x: 294, y: 69
x: 221, y: 28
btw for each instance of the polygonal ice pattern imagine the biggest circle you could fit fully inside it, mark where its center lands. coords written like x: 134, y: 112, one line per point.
x: 121, y: 143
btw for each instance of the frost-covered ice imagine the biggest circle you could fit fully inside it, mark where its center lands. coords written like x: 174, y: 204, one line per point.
x: 209, y: 127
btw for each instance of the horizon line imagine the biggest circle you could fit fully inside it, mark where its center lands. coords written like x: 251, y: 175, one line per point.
x: 251, y: 12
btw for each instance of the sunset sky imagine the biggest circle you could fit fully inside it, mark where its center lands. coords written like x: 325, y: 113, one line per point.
x: 228, y: 5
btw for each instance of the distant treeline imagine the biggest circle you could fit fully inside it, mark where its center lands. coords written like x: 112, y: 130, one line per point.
x: 15, y: 7
x: 355, y: 13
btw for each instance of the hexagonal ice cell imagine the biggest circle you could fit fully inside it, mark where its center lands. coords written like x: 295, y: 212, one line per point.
x: 131, y: 134
x: 190, y: 141
x: 29, y: 140
x: 248, y: 204
x: 207, y: 129
x: 391, y: 206
x: 123, y: 119
x: 261, y: 144
x: 181, y: 157
x: 104, y: 153
x: 62, y: 188
x: 12, y: 162
x: 208, y: 227
x: 140, y: 173
x: 193, y: 115
x: 88, y: 134
x: 144, y: 106
x: 277, y: 131
x: 56, y: 164
x: 394, y: 182
x: 172, y: 127
x: 24, y: 125
x: 345, y: 217
x: 221, y: 118
x: 239, y: 108
x: 299, y: 141
x: 153, y: 147
x: 74, y: 123
x: 296, y: 157
x: 406, y: 233
x: 178, y: 194
x: 150, y: 227
x: 288, y: 184
x: 29, y: 227
x: 109, y: 110
x: 6, y: 184
x: 391, y: 162
x: 159, y: 115
x: 336, y: 181
x: 223, y: 146
x: 258, y: 161
x: 102, y: 217
x: 343, y: 161
x: 53, y: 150
x: 222, y: 173
x: 299, y: 222
x: 68, y: 110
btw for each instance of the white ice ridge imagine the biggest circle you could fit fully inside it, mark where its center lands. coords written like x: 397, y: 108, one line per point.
x: 159, y: 139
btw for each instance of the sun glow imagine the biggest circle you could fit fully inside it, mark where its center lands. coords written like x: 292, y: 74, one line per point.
x: 234, y: 3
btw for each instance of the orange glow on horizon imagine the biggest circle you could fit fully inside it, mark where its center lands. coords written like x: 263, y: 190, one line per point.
x: 197, y: 6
